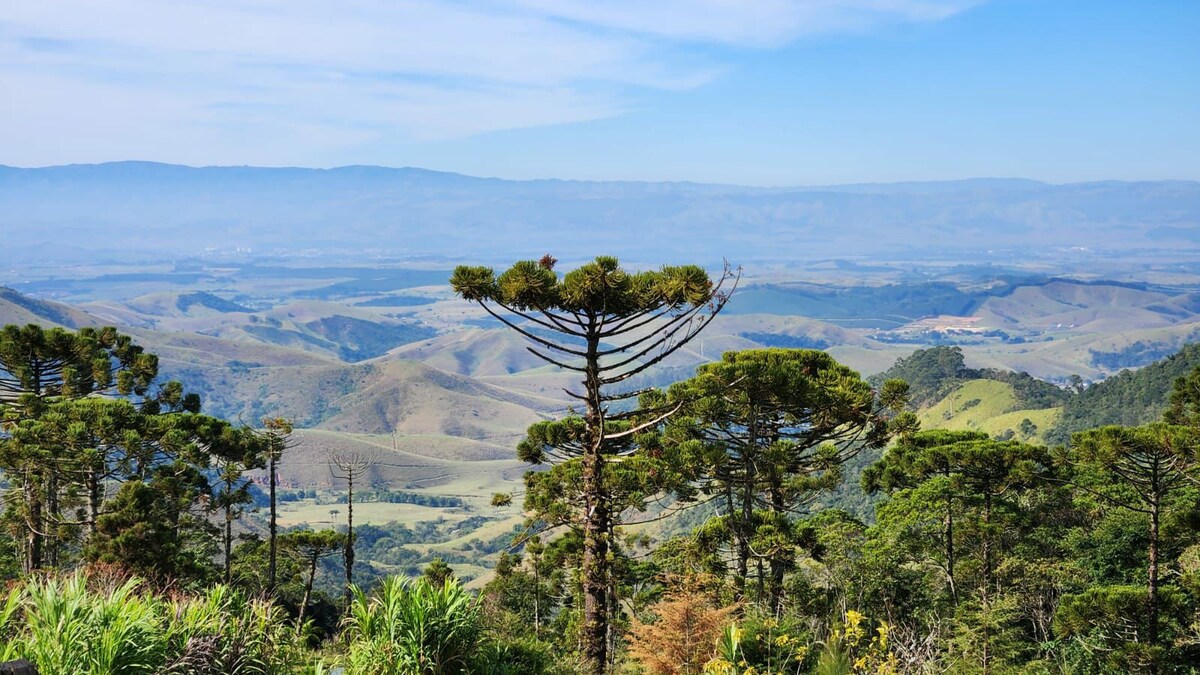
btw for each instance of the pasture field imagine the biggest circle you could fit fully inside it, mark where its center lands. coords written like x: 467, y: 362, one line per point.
x: 319, y: 515
x: 988, y: 406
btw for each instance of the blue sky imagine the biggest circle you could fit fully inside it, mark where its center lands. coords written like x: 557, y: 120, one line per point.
x: 769, y: 92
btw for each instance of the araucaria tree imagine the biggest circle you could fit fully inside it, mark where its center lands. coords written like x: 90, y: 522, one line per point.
x: 959, y: 501
x: 80, y: 409
x: 772, y: 428
x: 233, y: 451
x: 1140, y: 469
x: 276, y: 435
x: 639, y: 469
x: 920, y: 459
x: 37, y: 365
x: 607, y: 325
x: 311, y: 546
x: 351, y: 467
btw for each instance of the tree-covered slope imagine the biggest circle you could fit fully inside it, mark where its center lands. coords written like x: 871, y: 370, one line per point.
x: 947, y: 394
x: 1129, y: 397
x: 933, y: 373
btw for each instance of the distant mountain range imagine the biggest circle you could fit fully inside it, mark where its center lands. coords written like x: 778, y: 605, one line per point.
x: 125, y: 210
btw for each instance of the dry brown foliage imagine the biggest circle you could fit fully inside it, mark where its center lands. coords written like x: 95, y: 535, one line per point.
x: 684, y: 636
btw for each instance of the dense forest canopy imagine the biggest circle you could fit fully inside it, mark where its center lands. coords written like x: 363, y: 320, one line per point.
x: 961, y: 552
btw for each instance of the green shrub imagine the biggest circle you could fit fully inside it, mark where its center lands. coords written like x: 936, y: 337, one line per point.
x: 224, y: 632
x: 412, y: 628
x: 516, y: 657
x: 69, y: 629
x: 81, y: 625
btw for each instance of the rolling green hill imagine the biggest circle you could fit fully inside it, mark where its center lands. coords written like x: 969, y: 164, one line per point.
x: 992, y: 407
x: 934, y: 373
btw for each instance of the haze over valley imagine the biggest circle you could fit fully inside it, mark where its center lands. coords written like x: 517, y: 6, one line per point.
x: 130, y: 210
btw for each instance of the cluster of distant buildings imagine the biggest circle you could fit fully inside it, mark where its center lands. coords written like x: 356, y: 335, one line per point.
x: 945, y: 329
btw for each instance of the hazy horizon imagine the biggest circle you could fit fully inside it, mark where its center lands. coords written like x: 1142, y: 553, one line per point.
x: 683, y: 180
x: 144, y: 209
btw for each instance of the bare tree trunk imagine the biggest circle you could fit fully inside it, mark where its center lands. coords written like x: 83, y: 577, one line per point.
x: 228, y: 543
x: 596, y: 521
x: 614, y: 606
x: 54, y: 517
x: 349, y: 537
x: 985, y: 596
x: 950, y: 550
x: 760, y: 581
x: 34, y: 501
x: 777, y: 563
x: 308, y: 584
x: 95, y: 497
x: 743, y: 561
x: 743, y: 525
x: 271, y: 526
x: 595, y: 565
x: 537, y: 600
x: 1153, y: 583
x: 33, y: 542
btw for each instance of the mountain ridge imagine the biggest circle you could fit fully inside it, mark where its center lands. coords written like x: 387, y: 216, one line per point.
x: 971, y: 182
x: 172, y: 210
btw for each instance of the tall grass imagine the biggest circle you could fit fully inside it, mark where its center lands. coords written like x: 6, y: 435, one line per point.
x: 9, y: 618
x: 412, y: 628
x: 224, y: 632
x: 68, y: 626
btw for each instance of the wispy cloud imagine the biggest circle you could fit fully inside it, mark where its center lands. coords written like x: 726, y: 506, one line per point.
x: 290, y: 79
x: 753, y: 23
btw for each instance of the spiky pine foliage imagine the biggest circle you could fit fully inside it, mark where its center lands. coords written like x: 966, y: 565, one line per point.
x: 412, y: 628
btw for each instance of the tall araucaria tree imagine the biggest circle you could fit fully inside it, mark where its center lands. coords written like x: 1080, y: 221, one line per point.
x: 913, y: 461
x: 352, y: 467
x: 973, y: 493
x: 771, y: 429
x: 638, y: 469
x: 607, y: 325
x: 277, y: 432
x: 1142, y: 469
x: 234, y: 451
x: 311, y: 546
